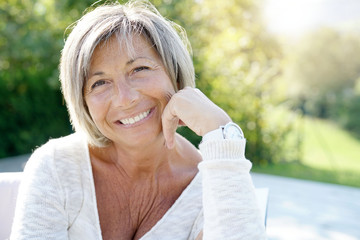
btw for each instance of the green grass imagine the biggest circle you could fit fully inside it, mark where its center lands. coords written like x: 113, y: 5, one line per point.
x: 329, y: 154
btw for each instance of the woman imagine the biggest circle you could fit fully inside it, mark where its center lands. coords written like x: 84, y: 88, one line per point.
x: 128, y: 80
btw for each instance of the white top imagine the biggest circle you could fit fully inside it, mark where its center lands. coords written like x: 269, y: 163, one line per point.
x: 57, y: 196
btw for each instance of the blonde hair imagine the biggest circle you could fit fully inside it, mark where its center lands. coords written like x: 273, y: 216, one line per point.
x: 139, y: 17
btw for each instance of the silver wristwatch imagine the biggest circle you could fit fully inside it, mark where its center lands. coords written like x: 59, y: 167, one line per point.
x: 232, y: 131
x: 229, y: 131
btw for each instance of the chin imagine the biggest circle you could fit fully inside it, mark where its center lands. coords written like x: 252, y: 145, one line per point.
x: 143, y: 138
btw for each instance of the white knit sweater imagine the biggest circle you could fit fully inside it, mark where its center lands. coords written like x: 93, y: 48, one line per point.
x: 57, y: 196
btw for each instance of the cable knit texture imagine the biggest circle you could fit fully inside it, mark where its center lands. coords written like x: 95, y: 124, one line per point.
x: 57, y: 196
x: 229, y: 201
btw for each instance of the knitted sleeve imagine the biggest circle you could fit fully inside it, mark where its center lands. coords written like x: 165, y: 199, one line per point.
x: 40, y: 207
x: 229, y: 200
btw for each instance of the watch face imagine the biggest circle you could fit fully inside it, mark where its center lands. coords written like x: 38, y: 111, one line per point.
x: 233, y: 131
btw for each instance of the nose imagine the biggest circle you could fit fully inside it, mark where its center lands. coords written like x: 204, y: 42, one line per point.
x: 124, y: 95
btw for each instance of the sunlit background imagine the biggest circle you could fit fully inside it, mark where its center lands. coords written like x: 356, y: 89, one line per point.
x: 292, y: 18
x: 320, y: 77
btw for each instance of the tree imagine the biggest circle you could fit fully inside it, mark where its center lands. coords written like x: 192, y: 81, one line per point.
x: 236, y: 62
x: 323, y: 74
x: 323, y: 67
x: 31, y: 105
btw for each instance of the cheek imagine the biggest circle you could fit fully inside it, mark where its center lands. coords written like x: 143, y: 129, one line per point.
x: 97, y: 108
x: 165, y: 95
x: 165, y: 85
x: 163, y: 92
x: 157, y: 86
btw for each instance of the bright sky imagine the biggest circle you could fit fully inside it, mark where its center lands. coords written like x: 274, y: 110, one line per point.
x: 294, y: 17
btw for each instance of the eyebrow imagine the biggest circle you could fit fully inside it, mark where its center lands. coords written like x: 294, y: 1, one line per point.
x: 131, y: 61
x: 96, y: 74
x: 136, y: 58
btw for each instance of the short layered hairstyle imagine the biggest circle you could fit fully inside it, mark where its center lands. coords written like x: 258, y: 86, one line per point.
x: 123, y: 21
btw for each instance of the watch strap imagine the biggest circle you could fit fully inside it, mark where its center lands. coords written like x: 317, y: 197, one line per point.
x: 218, y: 134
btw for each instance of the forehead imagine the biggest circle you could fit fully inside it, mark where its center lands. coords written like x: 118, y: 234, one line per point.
x: 130, y: 47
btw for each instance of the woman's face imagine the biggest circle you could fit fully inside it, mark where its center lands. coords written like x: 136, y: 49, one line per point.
x: 127, y: 93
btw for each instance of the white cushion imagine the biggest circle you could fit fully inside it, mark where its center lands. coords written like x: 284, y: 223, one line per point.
x: 9, y: 183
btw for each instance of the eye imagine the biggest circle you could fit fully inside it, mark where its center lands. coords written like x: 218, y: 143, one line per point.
x: 98, y: 83
x: 138, y: 69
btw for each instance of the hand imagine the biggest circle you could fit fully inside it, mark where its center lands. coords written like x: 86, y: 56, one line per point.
x: 191, y: 108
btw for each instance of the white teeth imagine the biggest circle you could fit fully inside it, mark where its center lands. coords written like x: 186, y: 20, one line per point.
x: 135, y: 119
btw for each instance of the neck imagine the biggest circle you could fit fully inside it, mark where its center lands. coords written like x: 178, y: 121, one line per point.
x: 137, y: 162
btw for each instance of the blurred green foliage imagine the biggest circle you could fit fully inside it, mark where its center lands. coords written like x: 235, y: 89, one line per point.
x: 323, y: 74
x: 31, y: 106
x: 236, y: 64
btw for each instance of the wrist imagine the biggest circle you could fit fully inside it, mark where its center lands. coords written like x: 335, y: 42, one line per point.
x: 227, y: 131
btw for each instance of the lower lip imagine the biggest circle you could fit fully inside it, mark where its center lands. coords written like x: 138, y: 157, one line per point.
x: 139, y: 122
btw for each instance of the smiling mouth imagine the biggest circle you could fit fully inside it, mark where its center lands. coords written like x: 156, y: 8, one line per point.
x: 129, y: 121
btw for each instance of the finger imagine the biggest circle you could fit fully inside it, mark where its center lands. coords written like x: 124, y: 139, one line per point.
x: 169, y: 123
